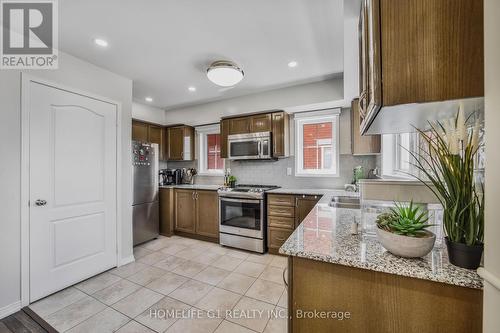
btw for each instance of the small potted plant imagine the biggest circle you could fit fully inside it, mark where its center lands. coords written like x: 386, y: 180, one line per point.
x: 232, y: 181
x: 402, y: 231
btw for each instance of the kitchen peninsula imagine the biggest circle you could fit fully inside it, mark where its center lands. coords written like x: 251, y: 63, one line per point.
x: 332, y: 270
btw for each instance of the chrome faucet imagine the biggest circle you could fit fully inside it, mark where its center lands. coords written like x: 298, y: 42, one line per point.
x: 351, y: 187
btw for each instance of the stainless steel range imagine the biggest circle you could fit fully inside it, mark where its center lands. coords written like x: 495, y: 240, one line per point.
x: 242, y: 217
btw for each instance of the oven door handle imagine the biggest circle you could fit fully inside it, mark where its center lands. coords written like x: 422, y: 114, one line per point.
x: 240, y: 200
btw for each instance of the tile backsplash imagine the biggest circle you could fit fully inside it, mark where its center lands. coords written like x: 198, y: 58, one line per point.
x: 275, y: 172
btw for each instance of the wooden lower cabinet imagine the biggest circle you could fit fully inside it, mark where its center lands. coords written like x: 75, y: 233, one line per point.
x: 284, y: 213
x: 377, y: 302
x: 167, y: 211
x: 197, y: 213
x: 185, y: 214
x: 207, y: 213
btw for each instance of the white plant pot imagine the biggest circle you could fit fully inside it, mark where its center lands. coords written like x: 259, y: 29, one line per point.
x: 405, y: 246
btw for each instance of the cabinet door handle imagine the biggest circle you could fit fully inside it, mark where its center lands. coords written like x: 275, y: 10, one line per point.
x: 192, y: 196
x: 296, y: 202
x: 281, y: 239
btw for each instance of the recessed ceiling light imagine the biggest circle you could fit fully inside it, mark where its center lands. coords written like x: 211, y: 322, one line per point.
x: 149, y: 99
x: 101, y: 42
x: 292, y: 64
x: 192, y: 89
x: 224, y: 73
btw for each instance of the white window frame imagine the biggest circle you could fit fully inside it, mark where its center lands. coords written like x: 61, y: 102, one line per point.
x: 202, y: 132
x: 391, y: 150
x: 316, y: 117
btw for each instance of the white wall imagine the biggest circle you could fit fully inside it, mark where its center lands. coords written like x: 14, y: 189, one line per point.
x: 77, y: 74
x: 284, y: 98
x: 492, y: 190
x: 148, y: 113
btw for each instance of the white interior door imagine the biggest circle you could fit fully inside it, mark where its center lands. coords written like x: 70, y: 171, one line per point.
x: 72, y: 188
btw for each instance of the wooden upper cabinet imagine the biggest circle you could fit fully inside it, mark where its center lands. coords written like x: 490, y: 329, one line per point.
x: 239, y: 125
x: 185, y: 210
x: 224, y: 132
x: 280, y: 133
x: 362, y: 144
x: 180, y: 141
x: 207, y: 213
x: 418, y: 51
x: 156, y: 134
x: 261, y: 123
x: 139, y: 131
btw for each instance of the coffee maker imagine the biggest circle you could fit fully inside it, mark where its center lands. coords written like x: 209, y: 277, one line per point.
x: 170, y: 177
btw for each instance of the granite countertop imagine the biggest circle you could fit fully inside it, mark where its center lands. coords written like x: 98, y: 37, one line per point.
x: 325, y: 235
x: 194, y: 187
x: 313, y: 191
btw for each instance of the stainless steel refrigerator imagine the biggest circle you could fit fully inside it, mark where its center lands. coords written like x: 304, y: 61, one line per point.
x: 145, y: 208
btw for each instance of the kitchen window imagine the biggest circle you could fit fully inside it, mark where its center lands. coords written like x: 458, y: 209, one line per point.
x: 210, y: 161
x: 316, y: 147
x: 397, y: 155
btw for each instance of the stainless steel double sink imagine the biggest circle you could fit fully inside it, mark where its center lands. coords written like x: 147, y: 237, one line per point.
x: 345, y: 202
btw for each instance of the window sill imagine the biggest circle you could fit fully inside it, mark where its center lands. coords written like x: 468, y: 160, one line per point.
x: 323, y: 175
x: 211, y: 174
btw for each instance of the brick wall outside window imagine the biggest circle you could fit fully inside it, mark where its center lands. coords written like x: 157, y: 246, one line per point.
x: 214, y: 161
x: 317, y: 145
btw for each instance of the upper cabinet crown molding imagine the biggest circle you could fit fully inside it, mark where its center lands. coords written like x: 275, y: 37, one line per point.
x: 419, y: 51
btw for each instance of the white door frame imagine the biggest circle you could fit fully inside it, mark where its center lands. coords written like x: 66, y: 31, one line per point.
x: 25, y: 181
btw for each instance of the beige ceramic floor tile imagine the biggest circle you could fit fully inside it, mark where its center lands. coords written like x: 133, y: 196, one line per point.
x: 75, y: 313
x: 278, y: 323
x: 207, y: 257
x: 219, y: 301
x: 156, y: 244
x: 173, y: 248
x: 237, y: 283
x: 167, y: 283
x: 137, y: 302
x: 106, y: 321
x: 189, y: 253
x: 140, y: 252
x: 229, y: 327
x: 116, y: 292
x: 170, y: 263
x: 158, y: 316
x: 260, y: 258
x: 153, y: 258
x: 279, y: 261
x: 189, y: 268
x: 227, y: 262
x: 57, y: 301
x: 283, y: 302
x: 265, y: 291
x: 250, y: 269
x: 273, y: 274
x: 195, y: 325
x: 147, y: 275
x: 134, y: 327
x: 260, y: 311
x: 211, y: 275
x: 128, y: 269
x: 98, y: 282
x: 191, y: 292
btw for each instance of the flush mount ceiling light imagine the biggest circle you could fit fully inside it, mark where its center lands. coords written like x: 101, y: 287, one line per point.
x: 224, y: 73
x: 149, y: 99
x: 101, y: 42
x: 192, y: 89
x: 292, y: 64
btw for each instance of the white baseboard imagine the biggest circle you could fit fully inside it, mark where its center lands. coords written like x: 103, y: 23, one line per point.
x: 127, y: 260
x: 10, y: 309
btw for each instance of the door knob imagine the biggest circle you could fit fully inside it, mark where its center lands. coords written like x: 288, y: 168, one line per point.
x: 40, y: 202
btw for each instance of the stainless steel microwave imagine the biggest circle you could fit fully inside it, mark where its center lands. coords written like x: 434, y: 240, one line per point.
x: 250, y: 146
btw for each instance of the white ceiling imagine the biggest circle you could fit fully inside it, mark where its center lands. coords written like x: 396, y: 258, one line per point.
x: 165, y: 46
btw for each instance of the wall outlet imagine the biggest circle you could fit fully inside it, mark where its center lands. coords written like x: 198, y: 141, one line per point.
x: 288, y: 171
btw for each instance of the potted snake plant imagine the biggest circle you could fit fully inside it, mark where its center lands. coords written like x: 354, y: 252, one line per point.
x: 447, y: 160
x: 403, y: 231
